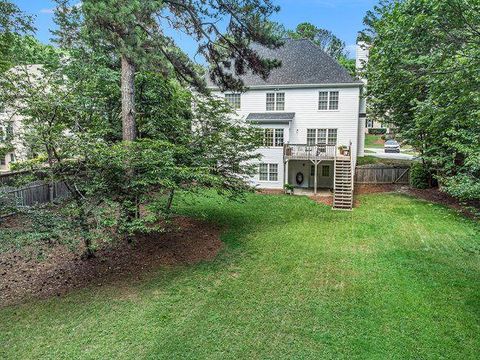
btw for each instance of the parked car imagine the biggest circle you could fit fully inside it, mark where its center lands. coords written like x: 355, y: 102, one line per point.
x: 392, y: 146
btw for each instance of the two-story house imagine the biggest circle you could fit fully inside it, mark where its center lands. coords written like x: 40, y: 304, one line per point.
x: 308, y: 108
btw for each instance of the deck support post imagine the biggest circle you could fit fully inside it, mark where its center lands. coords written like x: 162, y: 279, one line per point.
x: 315, y: 179
x: 285, y: 175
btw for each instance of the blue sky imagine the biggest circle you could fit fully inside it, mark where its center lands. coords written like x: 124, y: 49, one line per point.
x: 343, y: 17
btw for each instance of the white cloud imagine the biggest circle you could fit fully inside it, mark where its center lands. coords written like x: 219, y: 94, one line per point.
x: 46, y: 11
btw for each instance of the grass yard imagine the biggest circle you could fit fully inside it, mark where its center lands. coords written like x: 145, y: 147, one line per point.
x: 368, y: 160
x: 374, y: 141
x: 396, y: 278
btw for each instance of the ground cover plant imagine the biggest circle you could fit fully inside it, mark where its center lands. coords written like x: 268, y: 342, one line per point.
x: 395, y: 278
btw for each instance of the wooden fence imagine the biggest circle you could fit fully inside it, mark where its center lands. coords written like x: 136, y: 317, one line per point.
x: 381, y: 174
x: 8, y: 178
x: 33, y: 194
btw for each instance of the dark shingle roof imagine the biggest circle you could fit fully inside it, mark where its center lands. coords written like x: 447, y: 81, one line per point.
x: 269, y: 118
x: 303, y: 62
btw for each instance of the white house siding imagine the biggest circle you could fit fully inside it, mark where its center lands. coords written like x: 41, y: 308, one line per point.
x: 361, y: 137
x: 19, y: 153
x: 304, y: 103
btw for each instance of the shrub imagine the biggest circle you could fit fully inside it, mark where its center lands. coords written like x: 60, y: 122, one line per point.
x: 379, y: 131
x: 419, y: 176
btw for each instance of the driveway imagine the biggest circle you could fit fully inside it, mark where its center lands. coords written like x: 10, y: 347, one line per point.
x: 380, y: 153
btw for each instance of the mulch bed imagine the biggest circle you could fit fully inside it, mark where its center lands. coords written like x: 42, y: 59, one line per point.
x: 361, y: 189
x: 438, y: 197
x: 270, y: 191
x: 187, y: 241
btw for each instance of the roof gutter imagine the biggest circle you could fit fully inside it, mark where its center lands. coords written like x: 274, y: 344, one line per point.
x: 298, y: 86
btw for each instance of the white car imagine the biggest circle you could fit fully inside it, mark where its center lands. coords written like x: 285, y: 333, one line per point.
x: 392, y: 146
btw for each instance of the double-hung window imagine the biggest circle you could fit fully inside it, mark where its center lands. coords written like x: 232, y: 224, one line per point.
x: 273, y: 137
x: 275, y: 101
x: 321, y: 136
x: 234, y: 100
x: 311, y: 137
x: 268, y: 172
x: 328, y: 100
x: 332, y: 137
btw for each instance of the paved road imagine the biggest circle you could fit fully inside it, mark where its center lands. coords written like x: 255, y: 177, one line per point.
x: 379, y: 152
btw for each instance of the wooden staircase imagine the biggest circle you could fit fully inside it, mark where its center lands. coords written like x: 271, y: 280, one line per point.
x: 343, y: 184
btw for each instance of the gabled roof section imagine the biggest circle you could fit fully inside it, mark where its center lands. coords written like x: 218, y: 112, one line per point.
x: 303, y: 63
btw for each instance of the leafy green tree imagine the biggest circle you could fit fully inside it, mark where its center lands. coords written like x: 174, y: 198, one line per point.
x: 67, y: 123
x: 423, y: 78
x: 327, y: 41
x: 134, y: 32
x: 13, y: 24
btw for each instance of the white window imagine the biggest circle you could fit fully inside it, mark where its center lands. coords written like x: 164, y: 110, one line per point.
x: 12, y: 157
x: 2, y: 160
x: 233, y: 100
x: 263, y: 172
x: 273, y: 137
x: 333, y: 100
x: 273, y: 172
x: 332, y: 136
x: 275, y: 101
x: 328, y: 100
x: 280, y: 102
x: 323, y: 100
x: 321, y: 136
x: 268, y: 172
x: 311, y: 136
x: 270, y: 101
x: 278, y: 137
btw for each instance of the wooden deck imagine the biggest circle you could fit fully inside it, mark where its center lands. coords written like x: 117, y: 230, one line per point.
x: 311, y: 152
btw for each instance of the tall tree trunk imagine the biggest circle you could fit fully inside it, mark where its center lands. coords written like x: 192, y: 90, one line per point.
x: 128, y: 99
x: 129, y: 133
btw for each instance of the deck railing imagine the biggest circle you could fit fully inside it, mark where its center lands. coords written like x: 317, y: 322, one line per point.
x: 309, y: 152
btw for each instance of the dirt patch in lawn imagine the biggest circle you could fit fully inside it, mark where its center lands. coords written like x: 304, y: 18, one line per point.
x: 186, y: 241
x: 322, y: 199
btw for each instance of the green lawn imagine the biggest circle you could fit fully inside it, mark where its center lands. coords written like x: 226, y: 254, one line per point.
x: 368, y: 159
x: 374, y: 141
x: 396, y: 278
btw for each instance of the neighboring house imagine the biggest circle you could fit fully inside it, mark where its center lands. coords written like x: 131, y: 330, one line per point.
x: 362, y: 53
x: 11, y: 145
x: 307, y: 109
